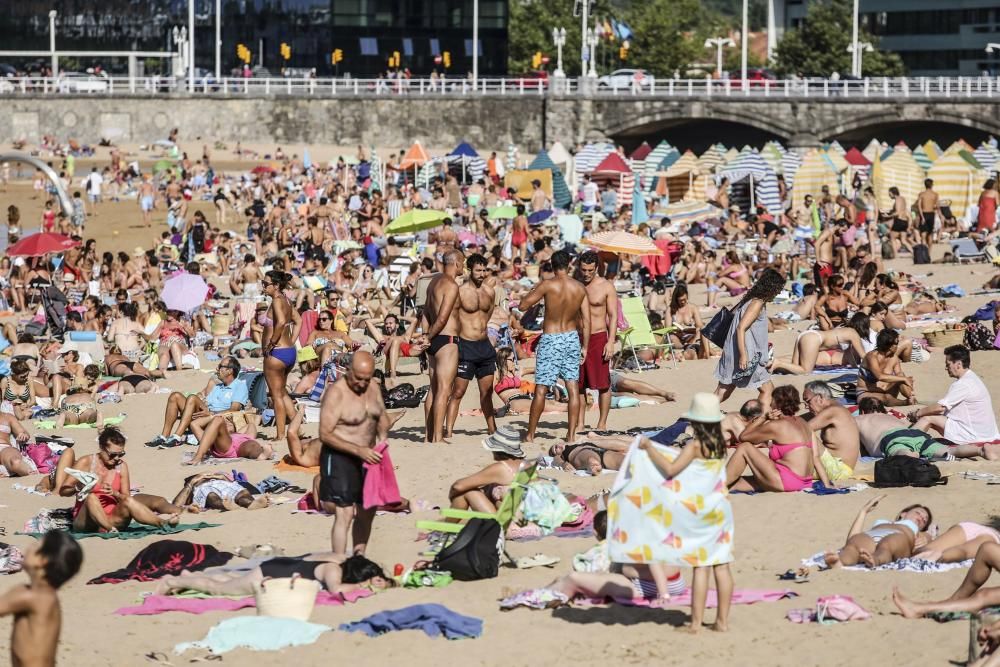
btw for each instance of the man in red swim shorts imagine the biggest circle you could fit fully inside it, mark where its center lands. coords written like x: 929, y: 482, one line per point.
x: 596, y: 370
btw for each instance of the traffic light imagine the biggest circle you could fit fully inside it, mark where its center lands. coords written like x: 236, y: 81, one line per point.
x: 446, y: 59
x: 536, y: 60
x: 286, y: 51
x: 243, y: 53
x: 336, y: 56
x: 395, y: 57
x: 623, y: 53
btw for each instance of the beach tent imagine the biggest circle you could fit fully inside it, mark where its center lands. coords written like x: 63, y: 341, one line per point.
x: 752, y: 183
x: 899, y: 169
x: 465, y: 164
x: 613, y: 169
x: 559, y: 155
x: 772, y: 156
x: 922, y: 158
x: 957, y: 178
x: 414, y: 158
x: 377, y: 172
x: 638, y: 157
x: 859, y: 164
x: 840, y: 165
x: 591, y: 155
x: 987, y: 155
x: 519, y: 181
x: 428, y: 172
x: 815, y: 171
x: 682, y: 180
x: 561, y: 196
x: 835, y: 147
x: 789, y: 167
x: 711, y: 161
x: 731, y: 155
x: 872, y: 150
x: 652, y: 163
x: 932, y: 149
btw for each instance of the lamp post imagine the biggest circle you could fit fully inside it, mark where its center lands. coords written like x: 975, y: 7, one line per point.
x: 559, y: 39
x: 591, y: 37
x: 856, y: 51
x: 744, y: 39
x: 52, y: 43
x: 585, y: 52
x: 475, y: 42
x: 218, y: 40
x: 190, y: 45
x: 719, y: 43
x: 854, y: 48
x: 180, y: 41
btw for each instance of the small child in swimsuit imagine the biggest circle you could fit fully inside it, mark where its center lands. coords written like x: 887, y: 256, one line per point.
x: 35, y: 606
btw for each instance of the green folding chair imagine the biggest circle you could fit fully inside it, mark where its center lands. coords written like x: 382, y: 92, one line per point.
x: 640, y: 332
x: 504, y: 515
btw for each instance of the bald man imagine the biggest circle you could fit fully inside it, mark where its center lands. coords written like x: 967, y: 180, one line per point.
x: 442, y: 336
x: 352, y: 422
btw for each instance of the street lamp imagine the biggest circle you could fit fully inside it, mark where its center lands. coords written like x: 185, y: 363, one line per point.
x: 52, y: 43
x: 585, y: 51
x: 719, y: 43
x: 218, y: 40
x: 854, y: 47
x: 191, y: 45
x: 856, y: 54
x: 475, y: 42
x: 992, y: 46
x: 559, y: 39
x: 591, y: 39
x: 180, y: 41
x: 744, y: 43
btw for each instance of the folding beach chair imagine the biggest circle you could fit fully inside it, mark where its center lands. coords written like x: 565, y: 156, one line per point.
x: 965, y: 249
x: 640, y: 332
x: 505, y: 513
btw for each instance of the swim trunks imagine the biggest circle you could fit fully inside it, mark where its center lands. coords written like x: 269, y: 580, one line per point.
x: 927, y: 226
x: 440, y: 341
x: 558, y: 356
x: 223, y: 488
x: 835, y: 467
x: 476, y: 358
x: 146, y: 203
x: 899, y: 225
x: 903, y: 440
x: 342, y: 478
x: 596, y: 372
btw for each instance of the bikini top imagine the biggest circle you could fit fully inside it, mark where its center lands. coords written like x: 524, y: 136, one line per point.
x: 839, y: 314
x: 9, y: 395
x: 900, y: 522
x: 509, y: 382
x: 777, y: 452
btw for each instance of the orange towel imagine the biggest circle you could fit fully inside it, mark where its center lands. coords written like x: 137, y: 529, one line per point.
x: 286, y: 464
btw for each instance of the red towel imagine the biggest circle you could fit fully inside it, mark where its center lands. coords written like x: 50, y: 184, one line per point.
x: 380, y: 487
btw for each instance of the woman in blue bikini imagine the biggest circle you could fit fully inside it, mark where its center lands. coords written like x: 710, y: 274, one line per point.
x: 280, y: 322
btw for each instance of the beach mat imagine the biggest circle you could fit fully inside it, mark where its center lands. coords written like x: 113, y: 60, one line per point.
x: 161, y: 604
x: 136, y: 532
x: 50, y: 424
x: 286, y: 465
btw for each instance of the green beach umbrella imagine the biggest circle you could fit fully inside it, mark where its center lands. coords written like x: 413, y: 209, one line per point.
x: 416, y: 220
x: 503, y: 213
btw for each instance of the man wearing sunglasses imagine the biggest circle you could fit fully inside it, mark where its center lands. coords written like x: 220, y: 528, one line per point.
x: 225, y: 394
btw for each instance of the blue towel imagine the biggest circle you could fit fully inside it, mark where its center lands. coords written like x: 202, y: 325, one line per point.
x: 434, y: 619
x: 258, y: 633
x: 819, y: 489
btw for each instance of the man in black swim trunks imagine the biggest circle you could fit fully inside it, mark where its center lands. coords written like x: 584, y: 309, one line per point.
x: 476, y: 356
x: 352, y: 422
x: 442, y: 334
x: 929, y: 206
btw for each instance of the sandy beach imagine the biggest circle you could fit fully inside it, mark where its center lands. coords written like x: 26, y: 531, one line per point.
x: 773, y: 532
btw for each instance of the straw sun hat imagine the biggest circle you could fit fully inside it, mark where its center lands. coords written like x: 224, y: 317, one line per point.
x: 704, y: 408
x: 507, y: 441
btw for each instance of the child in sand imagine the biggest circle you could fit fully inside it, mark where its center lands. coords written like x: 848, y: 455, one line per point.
x: 35, y: 606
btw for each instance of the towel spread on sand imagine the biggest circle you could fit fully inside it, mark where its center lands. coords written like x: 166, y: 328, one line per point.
x: 286, y: 464
x: 257, y: 633
x: 540, y: 598
x: 901, y: 565
x: 50, y: 424
x: 135, y: 532
x: 153, y: 605
x: 434, y: 619
x: 166, y: 557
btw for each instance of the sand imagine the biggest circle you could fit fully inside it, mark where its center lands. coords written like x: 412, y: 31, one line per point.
x: 773, y: 531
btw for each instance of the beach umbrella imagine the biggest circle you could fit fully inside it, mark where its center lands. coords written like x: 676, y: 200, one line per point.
x: 570, y: 227
x: 538, y: 217
x: 40, y: 244
x: 790, y: 164
x: 163, y: 165
x: 686, y: 212
x: 503, y: 213
x: 752, y: 183
x: 416, y: 220
x: 184, y: 292
x: 625, y: 243
x: 376, y: 172
x: 511, y: 161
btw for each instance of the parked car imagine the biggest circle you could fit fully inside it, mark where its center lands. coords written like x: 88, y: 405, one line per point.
x: 533, y: 80
x: 755, y: 77
x: 624, y: 79
x: 79, y: 82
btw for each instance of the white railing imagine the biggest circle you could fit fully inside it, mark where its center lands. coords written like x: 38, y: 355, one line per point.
x: 938, y: 88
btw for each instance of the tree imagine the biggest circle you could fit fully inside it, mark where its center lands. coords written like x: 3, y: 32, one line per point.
x: 818, y: 47
x: 669, y: 35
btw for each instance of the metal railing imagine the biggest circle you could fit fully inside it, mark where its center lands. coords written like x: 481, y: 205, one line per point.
x: 937, y: 88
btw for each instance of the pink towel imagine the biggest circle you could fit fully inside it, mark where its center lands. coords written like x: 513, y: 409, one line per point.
x: 740, y: 596
x: 380, y: 487
x: 161, y: 604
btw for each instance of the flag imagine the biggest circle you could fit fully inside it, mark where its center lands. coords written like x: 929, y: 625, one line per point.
x: 598, y: 29
x: 624, y: 31
x: 608, y: 31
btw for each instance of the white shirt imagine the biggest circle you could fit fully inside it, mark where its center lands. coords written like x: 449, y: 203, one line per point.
x: 590, y: 194
x: 969, y: 416
x: 94, y: 183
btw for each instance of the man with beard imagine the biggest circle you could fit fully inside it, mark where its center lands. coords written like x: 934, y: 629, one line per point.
x: 596, y: 370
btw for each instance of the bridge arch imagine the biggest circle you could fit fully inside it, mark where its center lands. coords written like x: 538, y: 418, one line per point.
x: 690, y: 128
x: 942, y: 125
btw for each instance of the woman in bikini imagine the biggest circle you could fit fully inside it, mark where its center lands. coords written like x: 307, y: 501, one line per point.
x: 685, y: 317
x: 281, y: 323
x: 515, y: 392
x: 484, y: 490
x: 881, y: 374
x: 791, y: 461
x: 832, y: 308
x: 588, y: 456
x: 12, y: 436
x: 837, y: 347
x: 79, y: 404
x: 125, y: 331
x: 865, y: 287
x: 173, y: 334
x: 886, y: 541
x: 17, y: 391
x: 734, y: 277
x: 218, y: 441
x: 69, y: 375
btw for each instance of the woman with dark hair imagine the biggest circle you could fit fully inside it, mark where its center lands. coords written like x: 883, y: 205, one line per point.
x: 744, y: 356
x: 865, y: 288
x: 734, y: 276
x: 886, y: 541
x: 791, y: 461
x: 881, y: 374
x: 837, y: 347
x: 336, y: 573
x: 832, y: 308
x: 986, y: 219
x: 281, y: 323
x: 686, y: 323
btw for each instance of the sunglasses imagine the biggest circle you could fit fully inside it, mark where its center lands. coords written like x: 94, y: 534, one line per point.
x: 266, y: 284
x: 324, y: 319
x: 116, y: 455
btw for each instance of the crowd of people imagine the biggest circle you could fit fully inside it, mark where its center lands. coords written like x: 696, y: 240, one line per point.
x: 311, y: 305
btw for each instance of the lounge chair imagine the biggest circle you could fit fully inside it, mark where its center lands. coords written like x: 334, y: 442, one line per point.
x: 640, y: 332
x: 965, y: 249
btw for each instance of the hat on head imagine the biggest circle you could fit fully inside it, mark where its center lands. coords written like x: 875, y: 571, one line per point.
x: 505, y: 440
x: 704, y: 408
x: 138, y: 252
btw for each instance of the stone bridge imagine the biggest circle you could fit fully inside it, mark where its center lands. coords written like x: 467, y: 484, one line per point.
x: 441, y: 121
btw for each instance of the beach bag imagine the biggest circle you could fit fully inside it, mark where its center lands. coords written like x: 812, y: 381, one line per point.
x: 839, y: 608
x: 401, y: 396
x: 286, y: 597
x: 888, y: 252
x: 978, y: 337
x: 717, y: 329
x: 906, y: 471
x: 474, y: 553
x: 921, y: 254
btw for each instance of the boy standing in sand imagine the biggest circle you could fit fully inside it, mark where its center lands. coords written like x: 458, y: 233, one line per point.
x: 35, y: 606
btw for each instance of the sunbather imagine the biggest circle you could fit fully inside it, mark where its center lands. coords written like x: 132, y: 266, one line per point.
x: 12, y: 435
x: 970, y: 596
x: 483, y: 490
x: 588, y: 456
x: 885, y: 541
x: 215, y: 491
x: 217, y: 441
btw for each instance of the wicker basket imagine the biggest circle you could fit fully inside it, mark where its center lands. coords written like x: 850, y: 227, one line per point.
x: 221, y: 324
x: 291, y: 597
x: 946, y: 336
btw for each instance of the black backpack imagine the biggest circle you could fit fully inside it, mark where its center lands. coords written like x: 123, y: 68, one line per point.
x: 403, y: 396
x: 888, y: 252
x: 921, y: 254
x: 474, y: 553
x: 906, y: 471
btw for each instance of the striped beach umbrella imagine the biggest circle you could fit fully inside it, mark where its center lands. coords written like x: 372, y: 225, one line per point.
x: 625, y: 243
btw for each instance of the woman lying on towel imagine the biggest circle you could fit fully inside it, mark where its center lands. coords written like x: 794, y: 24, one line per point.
x: 589, y: 456
x: 336, y: 573
x: 841, y: 346
x: 886, y: 541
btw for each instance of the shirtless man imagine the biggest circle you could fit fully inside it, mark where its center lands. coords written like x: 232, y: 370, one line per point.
x: 147, y: 195
x: 823, y: 268
x: 305, y: 451
x: 245, y: 276
x: 596, y: 371
x: 838, y: 431
x: 560, y: 349
x: 476, y: 356
x: 352, y: 422
x: 929, y: 207
x: 539, y: 200
x: 899, y: 231
x: 884, y: 435
x: 442, y: 334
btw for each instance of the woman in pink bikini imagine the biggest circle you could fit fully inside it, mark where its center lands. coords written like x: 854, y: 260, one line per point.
x: 790, y: 462
x: 217, y: 441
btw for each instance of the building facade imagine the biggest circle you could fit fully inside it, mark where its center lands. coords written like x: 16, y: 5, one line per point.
x: 368, y: 33
x: 932, y: 38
